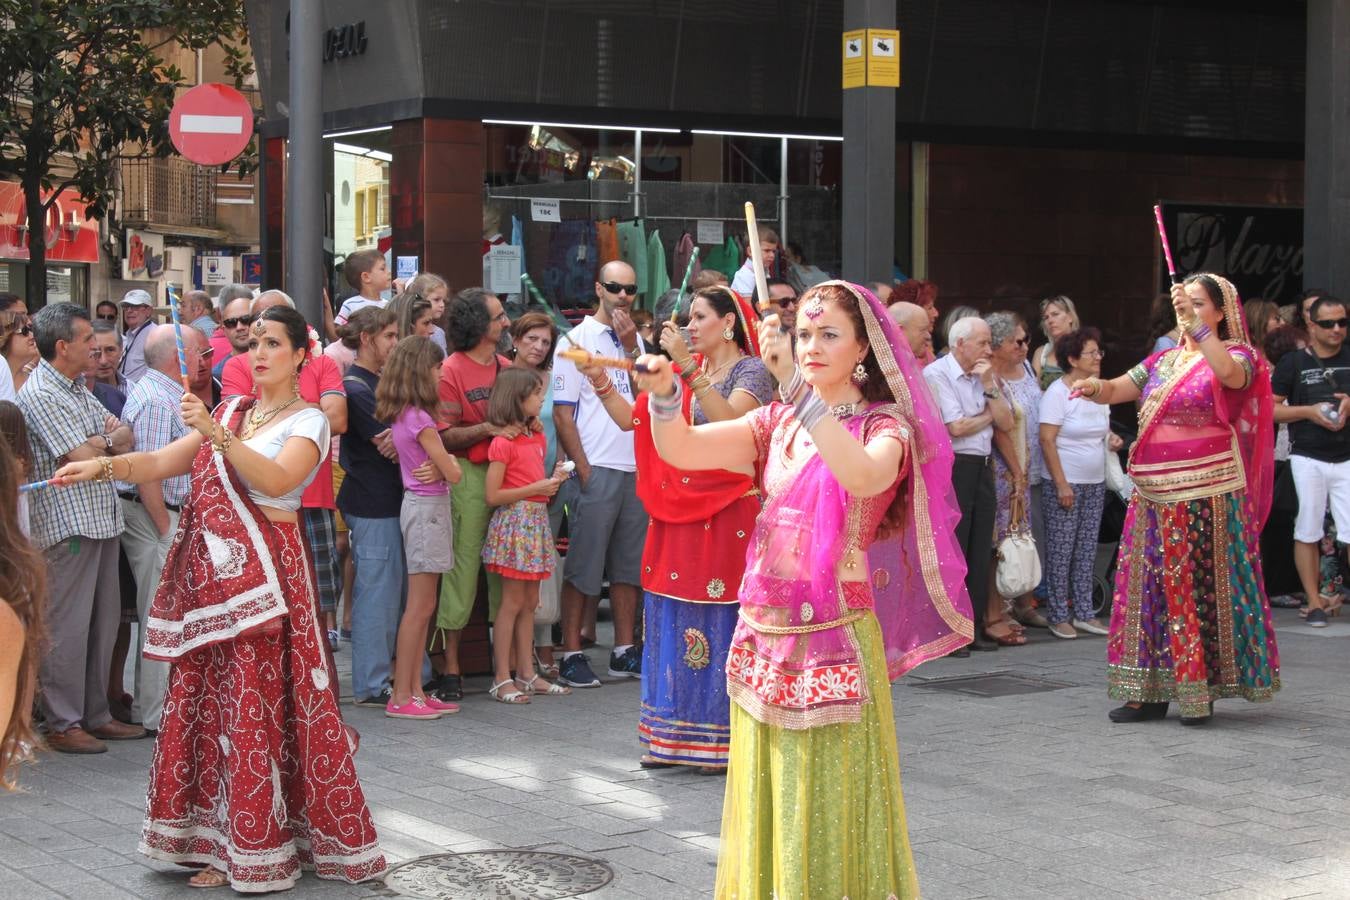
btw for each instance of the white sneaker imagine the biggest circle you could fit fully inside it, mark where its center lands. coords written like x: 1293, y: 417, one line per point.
x: 1093, y: 626
x: 1063, y: 630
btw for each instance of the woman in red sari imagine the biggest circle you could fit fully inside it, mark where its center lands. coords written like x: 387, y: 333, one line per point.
x: 253, y: 777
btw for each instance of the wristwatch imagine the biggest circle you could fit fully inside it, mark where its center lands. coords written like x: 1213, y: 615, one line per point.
x: 107, y: 442
x: 992, y: 394
x: 635, y: 352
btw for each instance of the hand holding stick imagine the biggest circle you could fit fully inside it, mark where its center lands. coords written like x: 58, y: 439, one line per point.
x: 585, y: 358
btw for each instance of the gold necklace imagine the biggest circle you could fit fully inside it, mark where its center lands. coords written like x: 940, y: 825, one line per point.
x: 257, y: 418
x: 713, y: 374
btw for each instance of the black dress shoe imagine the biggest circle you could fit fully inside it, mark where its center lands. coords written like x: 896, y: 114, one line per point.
x: 1142, y: 713
x: 959, y: 653
x: 983, y: 645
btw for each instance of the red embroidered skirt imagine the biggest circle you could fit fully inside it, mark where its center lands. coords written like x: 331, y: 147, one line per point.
x: 253, y: 770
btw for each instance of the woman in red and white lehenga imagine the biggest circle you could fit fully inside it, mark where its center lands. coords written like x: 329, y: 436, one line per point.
x: 253, y: 777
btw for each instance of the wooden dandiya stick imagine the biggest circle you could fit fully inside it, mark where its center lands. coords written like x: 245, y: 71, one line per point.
x: 1167, y: 248
x: 756, y: 257
x: 178, y: 338
x: 586, y: 358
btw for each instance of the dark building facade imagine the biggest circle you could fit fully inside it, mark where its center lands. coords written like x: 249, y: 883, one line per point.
x: 1032, y: 136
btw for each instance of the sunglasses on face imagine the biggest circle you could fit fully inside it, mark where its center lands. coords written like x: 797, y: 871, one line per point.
x: 1020, y: 342
x: 25, y: 330
x: 1329, y: 324
x: 234, y: 323
x: 615, y: 288
x: 107, y: 317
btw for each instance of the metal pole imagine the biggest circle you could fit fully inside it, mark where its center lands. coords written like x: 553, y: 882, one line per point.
x: 637, y: 173
x: 782, y: 195
x: 304, y: 171
x: 869, y: 162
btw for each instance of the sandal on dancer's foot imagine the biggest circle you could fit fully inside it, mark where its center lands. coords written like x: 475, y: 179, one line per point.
x: 651, y: 762
x: 1009, y: 638
x: 209, y: 877
x: 510, y: 695
x: 531, y: 686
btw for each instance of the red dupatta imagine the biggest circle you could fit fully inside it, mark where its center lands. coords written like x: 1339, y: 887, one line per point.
x: 220, y: 579
x: 674, y: 495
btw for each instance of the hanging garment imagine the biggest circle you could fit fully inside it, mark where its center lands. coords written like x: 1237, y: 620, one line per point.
x: 683, y: 251
x: 569, y: 277
x: 725, y: 259
x: 633, y: 248
x: 658, y: 276
x: 607, y: 241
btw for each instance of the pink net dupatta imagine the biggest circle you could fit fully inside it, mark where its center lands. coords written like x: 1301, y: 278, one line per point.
x: 918, y: 574
x: 1250, y: 412
x: 796, y: 671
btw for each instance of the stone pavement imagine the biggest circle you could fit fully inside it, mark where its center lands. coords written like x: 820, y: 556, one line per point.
x: 1032, y: 795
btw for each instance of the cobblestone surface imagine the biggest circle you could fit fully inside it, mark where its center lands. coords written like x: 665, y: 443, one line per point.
x: 1032, y: 795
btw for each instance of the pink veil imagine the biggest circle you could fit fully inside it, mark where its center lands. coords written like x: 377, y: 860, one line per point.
x: 917, y: 574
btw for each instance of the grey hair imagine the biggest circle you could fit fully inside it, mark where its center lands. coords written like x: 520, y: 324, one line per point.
x: 1002, y: 325
x: 103, y: 326
x: 232, y: 292
x: 962, y: 329
x: 665, y: 305
x: 285, y: 297
x: 956, y: 315
x: 56, y: 323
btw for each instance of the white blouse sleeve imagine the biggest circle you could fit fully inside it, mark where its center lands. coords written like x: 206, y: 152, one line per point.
x: 311, y: 424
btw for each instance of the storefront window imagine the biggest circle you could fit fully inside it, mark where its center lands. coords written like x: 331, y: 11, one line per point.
x: 358, y: 197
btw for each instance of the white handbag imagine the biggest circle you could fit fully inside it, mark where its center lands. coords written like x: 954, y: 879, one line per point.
x: 1019, y: 566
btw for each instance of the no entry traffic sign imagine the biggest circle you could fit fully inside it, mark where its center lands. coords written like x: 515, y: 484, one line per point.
x: 211, y: 124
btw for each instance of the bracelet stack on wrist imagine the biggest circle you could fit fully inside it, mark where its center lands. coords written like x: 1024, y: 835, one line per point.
x: 604, y: 389
x: 810, y: 409
x: 666, y: 409
x: 793, y: 389
x: 1199, y: 330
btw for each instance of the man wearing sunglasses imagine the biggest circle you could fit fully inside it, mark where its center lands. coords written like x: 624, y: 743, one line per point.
x: 235, y: 320
x: 1316, y: 385
x: 608, y: 525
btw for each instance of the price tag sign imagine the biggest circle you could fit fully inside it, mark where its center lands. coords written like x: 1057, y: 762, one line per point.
x: 546, y: 210
x: 709, y: 231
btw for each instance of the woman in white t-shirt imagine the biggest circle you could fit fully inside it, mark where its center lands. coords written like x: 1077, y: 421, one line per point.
x: 1075, y: 436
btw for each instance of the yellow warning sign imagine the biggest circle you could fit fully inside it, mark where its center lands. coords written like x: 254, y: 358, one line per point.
x: 855, y: 64
x: 883, y: 58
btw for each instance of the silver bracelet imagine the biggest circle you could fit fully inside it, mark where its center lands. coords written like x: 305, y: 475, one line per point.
x: 793, y: 387
x: 667, y: 409
x: 810, y: 409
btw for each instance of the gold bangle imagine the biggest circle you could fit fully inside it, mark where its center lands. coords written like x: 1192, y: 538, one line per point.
x: 131, y: 468
x: 105, y: 465
x: 701, y: 384
x: 222, y: 444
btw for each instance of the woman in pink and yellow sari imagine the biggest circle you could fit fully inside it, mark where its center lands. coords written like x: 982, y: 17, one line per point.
x: 1191, y: 621
x: 813, y: 805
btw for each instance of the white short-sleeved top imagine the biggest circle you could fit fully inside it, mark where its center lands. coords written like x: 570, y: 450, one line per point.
x: 1083, y: 428
x: 307, y: 423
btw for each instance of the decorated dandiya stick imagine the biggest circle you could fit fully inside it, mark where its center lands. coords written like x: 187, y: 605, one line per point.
x: 178, y: 338
x: 684, y: 283
x: 586, y: 358
x: 756, y: 257
x: 39, y: 485
x: 1167, y: 248
x: 558, y: 318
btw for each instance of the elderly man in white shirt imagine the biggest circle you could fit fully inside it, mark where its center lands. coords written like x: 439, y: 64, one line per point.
x: 972, y: 406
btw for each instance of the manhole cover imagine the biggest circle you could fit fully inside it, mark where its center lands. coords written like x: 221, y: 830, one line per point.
x: 498, y: 875
x: 992, y: 684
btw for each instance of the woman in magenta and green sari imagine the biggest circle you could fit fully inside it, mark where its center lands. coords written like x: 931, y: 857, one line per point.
x: 1191, y: 621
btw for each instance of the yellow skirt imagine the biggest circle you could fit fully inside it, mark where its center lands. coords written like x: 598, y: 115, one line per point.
x: 818, y: 813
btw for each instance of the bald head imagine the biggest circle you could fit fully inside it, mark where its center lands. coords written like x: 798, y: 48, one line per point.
x: 161, y: 348
x: 915, y: 323
x: 268, y: 299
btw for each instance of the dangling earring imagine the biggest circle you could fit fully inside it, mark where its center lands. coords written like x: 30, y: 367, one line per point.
x: 295, y: 383
x: 728, y: 335
x: 860, y: 374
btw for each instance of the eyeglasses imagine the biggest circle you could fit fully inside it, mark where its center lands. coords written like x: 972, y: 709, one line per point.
x: 25, y: 330
x: 615, y: 288
x: 235, y: 322
x: 1021, y: 342
x: 1329, y: 324
x: 207, y: 353
x: 1095, y: 354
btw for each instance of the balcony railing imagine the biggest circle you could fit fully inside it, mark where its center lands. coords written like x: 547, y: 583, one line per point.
x: 168, y: 192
